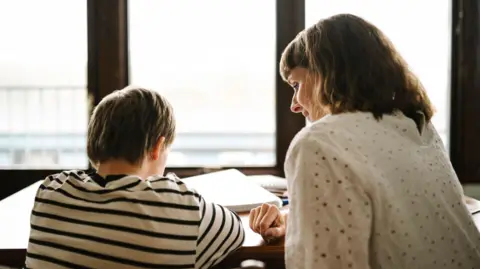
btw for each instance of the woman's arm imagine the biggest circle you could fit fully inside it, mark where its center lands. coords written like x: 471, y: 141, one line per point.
x: 330, y: 214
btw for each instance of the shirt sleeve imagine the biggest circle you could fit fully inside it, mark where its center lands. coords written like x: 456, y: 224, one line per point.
x: 330, y: 214
x: 221, y: 232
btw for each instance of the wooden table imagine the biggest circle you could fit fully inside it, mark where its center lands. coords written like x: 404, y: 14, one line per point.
x: 15, y: 228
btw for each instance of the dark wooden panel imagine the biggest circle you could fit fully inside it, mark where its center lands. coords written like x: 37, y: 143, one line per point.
x: 465, y: 90
x: 107, y: 47
x: 290, y: 21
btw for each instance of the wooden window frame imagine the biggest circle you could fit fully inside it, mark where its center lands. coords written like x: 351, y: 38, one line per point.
x: 290, y: 19
x: 465, y: 91
x: 108, y: 67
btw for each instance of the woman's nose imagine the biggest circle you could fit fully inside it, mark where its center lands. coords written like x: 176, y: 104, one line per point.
x: 295, y: 108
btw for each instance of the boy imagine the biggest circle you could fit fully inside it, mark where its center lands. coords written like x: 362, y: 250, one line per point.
x: 126, y: 214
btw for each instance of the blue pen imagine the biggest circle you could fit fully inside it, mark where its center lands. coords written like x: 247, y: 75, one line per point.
x: 284, y: 202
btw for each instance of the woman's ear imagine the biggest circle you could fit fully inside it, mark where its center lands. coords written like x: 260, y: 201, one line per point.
x: 158, y: 149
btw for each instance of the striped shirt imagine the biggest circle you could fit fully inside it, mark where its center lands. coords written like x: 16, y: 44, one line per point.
x: 82, y: 220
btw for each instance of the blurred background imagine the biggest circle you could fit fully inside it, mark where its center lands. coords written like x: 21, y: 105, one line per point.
x: 220, y: 77
x: 217, y: 62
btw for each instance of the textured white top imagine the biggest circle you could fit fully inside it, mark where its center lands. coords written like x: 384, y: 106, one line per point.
x: 375, y: 194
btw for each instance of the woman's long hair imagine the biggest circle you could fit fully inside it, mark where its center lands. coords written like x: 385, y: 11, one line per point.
x: 358, y: 68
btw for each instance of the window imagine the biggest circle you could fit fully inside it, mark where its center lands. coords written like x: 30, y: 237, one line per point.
x: 425, y: 43
x: 48, y: 61
x: 43, y: 97
x: 247, y: 101
x: 217, y: 67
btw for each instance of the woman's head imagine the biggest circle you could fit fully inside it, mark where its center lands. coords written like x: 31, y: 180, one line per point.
x: 345, y: 64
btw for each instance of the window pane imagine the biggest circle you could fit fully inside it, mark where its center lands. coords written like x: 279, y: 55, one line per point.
x: 215, y: 61
x: 423, y: 40
x: 43, y: 97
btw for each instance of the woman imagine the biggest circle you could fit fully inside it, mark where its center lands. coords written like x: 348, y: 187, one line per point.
x: 370, y: 183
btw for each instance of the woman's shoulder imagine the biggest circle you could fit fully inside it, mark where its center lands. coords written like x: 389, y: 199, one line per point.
x: 312, y: 138
x: 334, y: 133
x: 328, y: 127
x: 305, y: 137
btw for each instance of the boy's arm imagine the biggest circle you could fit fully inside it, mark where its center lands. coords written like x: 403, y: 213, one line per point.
x: 221, y: 232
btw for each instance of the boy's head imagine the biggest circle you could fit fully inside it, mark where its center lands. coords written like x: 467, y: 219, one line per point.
x: 133, y: 125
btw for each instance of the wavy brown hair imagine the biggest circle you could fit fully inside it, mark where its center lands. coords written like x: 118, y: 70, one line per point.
x: 359, y: 67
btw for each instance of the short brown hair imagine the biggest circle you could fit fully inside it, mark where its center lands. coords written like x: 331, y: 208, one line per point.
x: 127, y: 124
x: 360, y: 68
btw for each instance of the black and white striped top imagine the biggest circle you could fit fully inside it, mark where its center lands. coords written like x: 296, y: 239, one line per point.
x: 82, y: 220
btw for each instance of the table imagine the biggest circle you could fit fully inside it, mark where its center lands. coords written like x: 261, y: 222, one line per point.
x: 14, y: 233
x: 15, y: 228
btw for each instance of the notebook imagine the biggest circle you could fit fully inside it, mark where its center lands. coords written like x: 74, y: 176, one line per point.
x: 269, y: 182
x: 232, y: 189
x: 473, y: 205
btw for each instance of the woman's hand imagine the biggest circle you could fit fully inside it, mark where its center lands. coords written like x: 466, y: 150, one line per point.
x: 268, y: 221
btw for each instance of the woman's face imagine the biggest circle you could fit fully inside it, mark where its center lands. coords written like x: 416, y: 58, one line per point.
x: 302, y: 101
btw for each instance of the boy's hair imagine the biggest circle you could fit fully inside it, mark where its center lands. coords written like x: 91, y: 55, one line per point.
x: 127, y: 124
x: 358, y: 67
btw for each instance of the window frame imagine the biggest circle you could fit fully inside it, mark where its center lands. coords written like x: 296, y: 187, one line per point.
x: 286, y: 30
x: 108, y: 68
x: 465, y: 90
